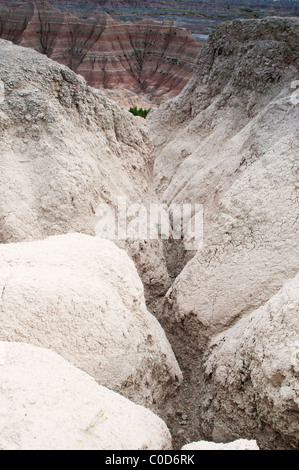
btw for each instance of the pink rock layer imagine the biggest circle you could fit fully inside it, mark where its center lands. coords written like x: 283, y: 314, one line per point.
x: 152, y: 59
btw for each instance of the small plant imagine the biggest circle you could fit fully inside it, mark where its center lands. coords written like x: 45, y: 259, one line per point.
x: 100, y: 418
x: 139, y: 112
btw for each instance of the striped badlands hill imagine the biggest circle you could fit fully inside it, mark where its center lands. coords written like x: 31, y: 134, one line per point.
x: 150, y: 58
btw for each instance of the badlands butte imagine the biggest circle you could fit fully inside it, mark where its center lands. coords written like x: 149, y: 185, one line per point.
x: 150, y: 58
x: 144, y: 344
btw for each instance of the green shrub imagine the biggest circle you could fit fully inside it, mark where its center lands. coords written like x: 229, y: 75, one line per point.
x: 139, y: 112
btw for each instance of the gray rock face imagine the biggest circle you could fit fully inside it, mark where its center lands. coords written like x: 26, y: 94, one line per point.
x: 233, y: 140
x: 230, y: 142
x: 66, y: 150
x: 252, y: 372
x: 82, y: 297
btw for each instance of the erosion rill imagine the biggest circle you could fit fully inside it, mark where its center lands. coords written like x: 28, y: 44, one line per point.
x: 227, y: 313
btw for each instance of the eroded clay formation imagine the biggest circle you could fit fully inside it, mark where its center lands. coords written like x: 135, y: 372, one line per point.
x: 151, y: 58
x: 214, y: 352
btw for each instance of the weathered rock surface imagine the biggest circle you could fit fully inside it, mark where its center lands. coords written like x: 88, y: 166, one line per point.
x: 252, y: 373
x: 151, y: 58
x: 230, y: 142
x: 240, y: 444
x: 48, y: 404
x: 67, y: 150
x: 81, y: 297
